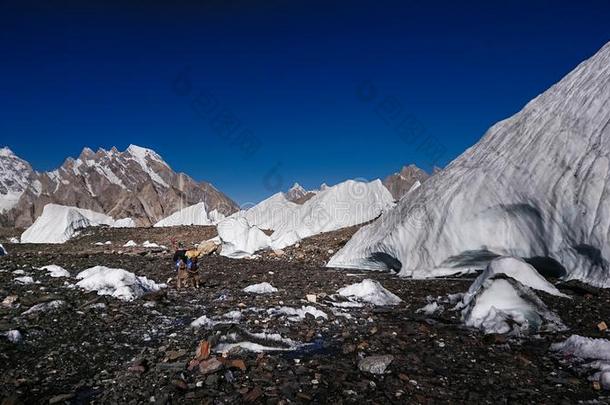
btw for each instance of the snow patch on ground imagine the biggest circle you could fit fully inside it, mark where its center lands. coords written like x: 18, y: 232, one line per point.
x: 130, y: 243
x: 55, y: 271
x: 430, y: 309
x: 117, y: 283
x: 261, y: 288
x: 370, y: 291
x: 44, y: 307
x: 584, y: 348
x: 297, y: 314
x: 578, y: 349
x: 256, y: 342
x: 14, y: 336
x: 204, y: 322
x: 152, y: 245
x: 24, y: 280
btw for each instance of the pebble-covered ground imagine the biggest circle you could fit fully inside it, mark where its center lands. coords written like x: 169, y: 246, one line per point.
x: 99, y: 349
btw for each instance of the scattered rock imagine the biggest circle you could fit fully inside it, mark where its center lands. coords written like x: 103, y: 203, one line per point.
x: 210, y: 366
x: 61, y: 398
x: 203, y: 350
x: 139, y: 366
x: 9, y: 301
x: 253, y: 394
x: 180, y: 384
x: 375, y: 364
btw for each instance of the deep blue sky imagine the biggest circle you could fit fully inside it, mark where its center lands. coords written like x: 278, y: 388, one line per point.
x: 75, y: 74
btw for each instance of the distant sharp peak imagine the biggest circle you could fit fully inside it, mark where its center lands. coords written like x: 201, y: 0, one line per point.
x: 132, y: 150
x: 138, y: 151
x: 296, y: 187
x: 295, y: 192
x: 7, y: 155
x: 5, y: 151
x: 411, y: 169
x: 405, y: 180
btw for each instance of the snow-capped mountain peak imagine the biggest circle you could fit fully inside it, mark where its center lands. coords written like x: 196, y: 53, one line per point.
x: 6, y: 152
x: 15, y: 174
x: 295, y: 192
x: 135, y: 183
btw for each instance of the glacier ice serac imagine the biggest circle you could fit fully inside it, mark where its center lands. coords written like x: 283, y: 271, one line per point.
x: 535, y: 186
x: 59, y: 223
x: 193, y: 215
x: 502, y: 300
x: 343, y: 205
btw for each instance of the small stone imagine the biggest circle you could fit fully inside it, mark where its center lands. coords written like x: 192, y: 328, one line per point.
x: 180, y: 384
x: 9, y: 301
x: 139, y: 366
x: 253, y: 395
x: 60, y: 398
x: 348, y: 348
x: 238, y: 363
x: 494, y: 339
x: 602, y: 327
x: 193, y: 364
x: 174, y: 354
x: 375, y: 364
x: 203, y: 350
x: 312, y: 298
x: 210, y: 366
x: 212, y: 380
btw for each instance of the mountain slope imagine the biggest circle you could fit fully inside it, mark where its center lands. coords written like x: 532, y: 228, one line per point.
x: 135, y: 183
x: 296, y: 192
x: 401, y: 183
x: 15, y: 175
x: 536, y: 185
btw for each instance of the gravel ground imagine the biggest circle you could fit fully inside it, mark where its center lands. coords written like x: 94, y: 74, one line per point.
x: 98, y: 349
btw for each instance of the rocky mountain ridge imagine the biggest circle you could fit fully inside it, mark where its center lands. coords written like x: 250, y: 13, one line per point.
x: 135, y: 183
